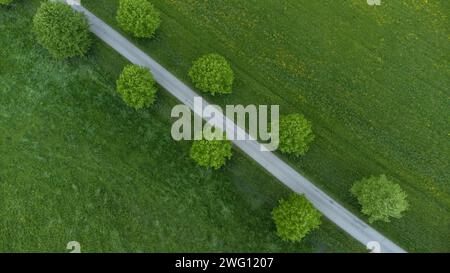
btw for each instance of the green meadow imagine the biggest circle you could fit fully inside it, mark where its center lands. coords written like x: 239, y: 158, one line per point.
x: 374, y: 81
x: 76, y: 164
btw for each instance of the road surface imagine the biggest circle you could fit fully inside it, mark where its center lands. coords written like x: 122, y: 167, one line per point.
x: 269, y: 161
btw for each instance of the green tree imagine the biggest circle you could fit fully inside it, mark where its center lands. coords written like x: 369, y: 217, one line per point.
x: 212, y: 73
x: 137, y: 87
x: 380, y: 198
x: 138, y: 17
x: 295, y: 134
x: 295, y: 218
x: 5, y: 2
x: 61, y: 30
x: 211, y: 153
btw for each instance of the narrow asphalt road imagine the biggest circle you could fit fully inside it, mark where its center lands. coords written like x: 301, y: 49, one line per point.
x: 274, y: 165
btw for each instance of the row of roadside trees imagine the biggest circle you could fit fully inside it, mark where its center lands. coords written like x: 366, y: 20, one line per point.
x: 65, y: 34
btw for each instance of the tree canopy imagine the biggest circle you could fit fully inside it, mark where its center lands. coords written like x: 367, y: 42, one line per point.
x: 295, y: 134
x: 295, y: 217
x: 61, y: 30
x: 212, y: 73
x: 137, y: 86
x: 211, y: 153
x: 138, y: 17
x: 380, y: 198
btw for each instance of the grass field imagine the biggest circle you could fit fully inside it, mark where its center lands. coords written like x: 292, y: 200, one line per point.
x: 373, y: 80
x: 77, y: 164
